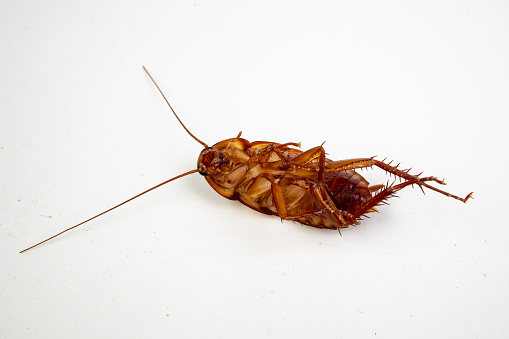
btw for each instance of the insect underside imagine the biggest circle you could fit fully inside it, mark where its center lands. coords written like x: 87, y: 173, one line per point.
x: 303, y: 186
x: 281, y: 180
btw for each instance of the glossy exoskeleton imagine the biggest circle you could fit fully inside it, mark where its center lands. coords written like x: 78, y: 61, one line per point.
x: 281, y: 180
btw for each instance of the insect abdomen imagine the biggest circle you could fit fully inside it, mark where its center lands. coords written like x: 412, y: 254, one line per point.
x: 348, y: 190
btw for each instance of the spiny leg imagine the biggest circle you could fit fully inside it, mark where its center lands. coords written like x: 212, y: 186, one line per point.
x: 322, y: 198
x: 281, y: 206
x: 326, y: 207
x: 369, y: 162
x: 338, y: 218
x: 404, y: 174
x: 265, y: 153
x: 386, y: 193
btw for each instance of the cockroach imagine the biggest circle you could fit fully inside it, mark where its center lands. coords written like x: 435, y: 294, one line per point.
x: 282, y: 180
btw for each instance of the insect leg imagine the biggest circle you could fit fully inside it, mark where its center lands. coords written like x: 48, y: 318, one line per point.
x: 340, y: 219
x: 358, y: 163
x: 280, y: 201
x: 348, y: 164
x: 273, y: 148
x: 322, y: 198
x: 369, y: 162
x: 308, y: 156
x: 386, y: 193
x: 404, y: 174
x: 313, y: 217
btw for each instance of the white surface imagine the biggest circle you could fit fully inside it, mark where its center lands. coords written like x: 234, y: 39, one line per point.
x: 82, y: 128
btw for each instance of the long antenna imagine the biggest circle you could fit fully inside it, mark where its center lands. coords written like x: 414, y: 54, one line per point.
x: 176, y: 116
x: 138, y: 195
x: 111, y: 209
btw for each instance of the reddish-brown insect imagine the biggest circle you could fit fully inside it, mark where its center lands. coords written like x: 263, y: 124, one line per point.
x: 280, y: 180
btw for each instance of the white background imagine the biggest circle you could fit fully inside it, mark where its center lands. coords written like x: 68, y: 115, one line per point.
x: 82, y: 129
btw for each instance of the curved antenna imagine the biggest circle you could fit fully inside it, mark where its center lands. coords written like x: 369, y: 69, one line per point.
x: 164, y: 97
x: 111, y: 209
